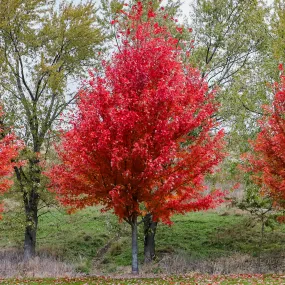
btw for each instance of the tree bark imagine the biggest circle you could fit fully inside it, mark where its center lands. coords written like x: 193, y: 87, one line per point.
x: 31, y: 201
x: 135, y: 264
x: 261, y: 243
x: 30, y: 232
x: 149, y: 238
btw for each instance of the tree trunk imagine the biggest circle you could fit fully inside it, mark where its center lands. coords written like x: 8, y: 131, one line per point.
x: 30, y: 189
x: 149, y: 238
x: 30, y: 232
x: 261, y: 244
x: 135, y: 264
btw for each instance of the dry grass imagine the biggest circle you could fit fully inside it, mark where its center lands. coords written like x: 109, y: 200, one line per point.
x: 12, y: 266
x: 235, y: 264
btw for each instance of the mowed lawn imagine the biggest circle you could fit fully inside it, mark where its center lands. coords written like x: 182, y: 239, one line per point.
x: 182, y: 280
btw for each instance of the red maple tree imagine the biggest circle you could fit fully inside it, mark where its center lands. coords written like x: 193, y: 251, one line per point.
x: 142, y: 139
x: 9, y: 148
x: 267, y: 160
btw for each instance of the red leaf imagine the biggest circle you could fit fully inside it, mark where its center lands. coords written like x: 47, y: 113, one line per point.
x: 143, y: 132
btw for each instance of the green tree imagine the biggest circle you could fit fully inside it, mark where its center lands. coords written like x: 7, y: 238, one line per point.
x: 231, y: 46
x: 278, y: 32
x: 44, y: 49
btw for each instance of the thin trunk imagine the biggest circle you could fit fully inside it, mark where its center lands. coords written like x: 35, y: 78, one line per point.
x: 149, y: 238
x: 135, y: 264
x: 261, y: 244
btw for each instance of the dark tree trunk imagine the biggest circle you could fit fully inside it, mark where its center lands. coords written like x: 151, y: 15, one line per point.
x: 29, y: 184
x: 30, y: 231
x: 31, y: 200
x: 149, y: 238
x: 135, y: 264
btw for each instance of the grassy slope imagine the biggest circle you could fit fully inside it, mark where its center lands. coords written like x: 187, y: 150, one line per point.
x: 90, y: 235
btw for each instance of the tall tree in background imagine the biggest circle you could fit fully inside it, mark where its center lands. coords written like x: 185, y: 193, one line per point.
x: 231, y: 48
x: 44, y: 48
x: 142, y: 139
x: 278, y: 30
x: 227, y: 34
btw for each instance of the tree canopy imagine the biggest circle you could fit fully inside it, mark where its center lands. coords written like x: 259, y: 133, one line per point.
x: 143, y: 137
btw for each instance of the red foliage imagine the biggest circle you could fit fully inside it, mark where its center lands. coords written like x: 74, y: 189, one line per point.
x: 9, y: 148
x: 267, y: 162
x: 142, y: 140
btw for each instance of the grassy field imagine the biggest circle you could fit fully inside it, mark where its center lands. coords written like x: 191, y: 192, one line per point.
x: 96, y: 242
x: 182, y: 280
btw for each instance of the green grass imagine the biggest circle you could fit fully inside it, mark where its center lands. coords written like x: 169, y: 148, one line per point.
x: 191, y: 279
x: 196, y: 233
x: 89, y: 237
